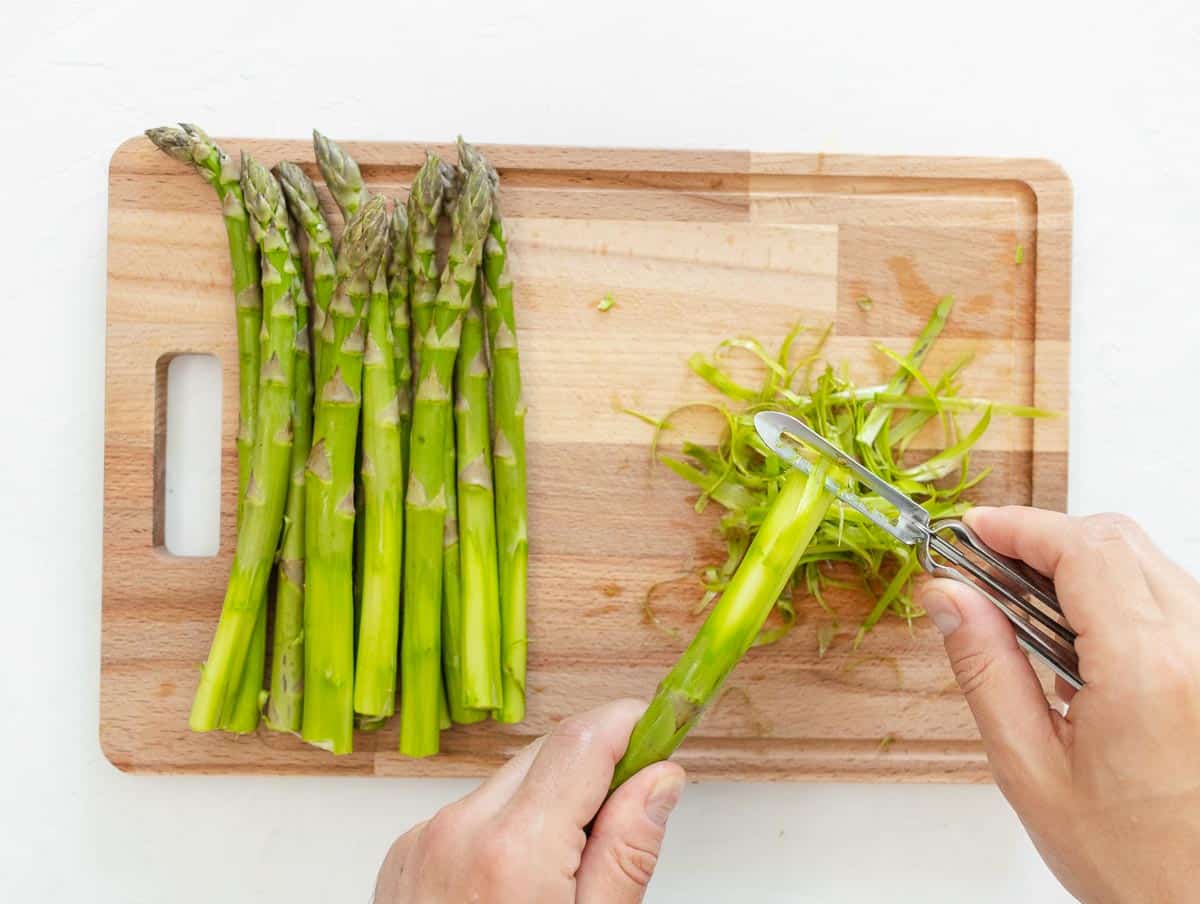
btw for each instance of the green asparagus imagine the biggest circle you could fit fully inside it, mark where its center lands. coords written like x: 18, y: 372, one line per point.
x: 382, y: 515
x: 329, y: 486
x: 398, y: 285
x: 425, y: 203
x: 305, y: 207
x: 733, y: 623
x: 287, y: 647
x: 508, y: 463
x: 479, y: 648
x: 266, y: 482
x: 425, y: 502
x: 190, y: 144
x: 341, y: 174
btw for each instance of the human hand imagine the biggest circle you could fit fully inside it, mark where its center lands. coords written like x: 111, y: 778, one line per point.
x: 520, y: 835
x: 1110, y: 792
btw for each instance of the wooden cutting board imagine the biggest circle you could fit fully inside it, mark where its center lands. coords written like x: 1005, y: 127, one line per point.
x: 694, y: 247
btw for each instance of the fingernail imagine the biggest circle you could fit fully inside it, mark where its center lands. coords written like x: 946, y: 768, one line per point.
x: 664, y: 797
x: 941, y: 611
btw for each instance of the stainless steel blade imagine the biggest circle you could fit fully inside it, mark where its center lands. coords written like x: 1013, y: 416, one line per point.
x: 785, y: 436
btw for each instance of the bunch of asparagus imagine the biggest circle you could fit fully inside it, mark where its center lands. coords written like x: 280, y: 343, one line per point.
x: 381, y: 454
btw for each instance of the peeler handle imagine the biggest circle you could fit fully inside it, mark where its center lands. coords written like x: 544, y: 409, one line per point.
x: 952, y: 550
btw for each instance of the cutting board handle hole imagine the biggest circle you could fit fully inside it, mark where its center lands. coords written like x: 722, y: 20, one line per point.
x: 187, y: 455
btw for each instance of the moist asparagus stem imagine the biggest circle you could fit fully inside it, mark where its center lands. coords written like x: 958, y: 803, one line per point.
x: 425, y: 502
x: 733, y: 623
x: 328, y: 717
x: 305, y: 208
x: 479, y: 641
x: 190, y: 144
x: 341, y: 175
x: 266, y: 482
x: 383, y: 514
x: 508, y: 466
x: 286, y: 694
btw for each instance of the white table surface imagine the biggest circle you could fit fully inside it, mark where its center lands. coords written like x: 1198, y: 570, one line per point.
x: 1113, y: 96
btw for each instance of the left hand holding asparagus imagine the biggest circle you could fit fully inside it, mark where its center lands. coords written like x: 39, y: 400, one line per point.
x: 520, y: 835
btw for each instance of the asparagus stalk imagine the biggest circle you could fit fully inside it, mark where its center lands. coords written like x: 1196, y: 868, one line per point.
x: 287, y: 649
x: 190, y: 144
x: 425, y: 502
x: 382, y: 516
x: 341, y: 174
x: 733, y: 623
x: 305, y: 208
x: 266, y: 482
x: 508, y: 465
x: 398, y: 285
x: 452, y: 606
x: 425, y: 201
x: 480, y: 605
x: 329, y: 489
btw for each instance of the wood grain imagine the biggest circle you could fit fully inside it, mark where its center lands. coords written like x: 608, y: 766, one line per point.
x: 694, y: 247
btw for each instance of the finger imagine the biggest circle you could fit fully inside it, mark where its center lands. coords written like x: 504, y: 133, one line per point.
x: 568, y: 779
x: 1035, y: 536
x: 626, y: 837
x: 1065, y: 692
x: 1103, y: 578
x: 389, y: 883
x: 491, y: 796
x: 997, y: 680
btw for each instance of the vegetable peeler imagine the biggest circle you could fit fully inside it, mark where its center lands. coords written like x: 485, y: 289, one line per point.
x: 945, y: 549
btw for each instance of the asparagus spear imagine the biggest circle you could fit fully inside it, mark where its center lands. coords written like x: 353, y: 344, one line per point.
x: 425, y: 503
x: 382, y: 516
x: 266, y: 482
x: 733, y: 623
x: 341, y: 174
x: 190, y: 144
x: 287, y: 656
x: 305, y: 207
x: 452, y: 606
x: 480, y: 605
x: 425, y: 201
x: 329, y: 489
x: 508, y: 463
x: 398, y: 285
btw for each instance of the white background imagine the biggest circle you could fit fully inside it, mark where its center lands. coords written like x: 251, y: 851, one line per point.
x: 1113, y: 96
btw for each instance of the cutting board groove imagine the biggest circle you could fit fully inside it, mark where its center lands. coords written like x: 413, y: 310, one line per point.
x: 694, y: 246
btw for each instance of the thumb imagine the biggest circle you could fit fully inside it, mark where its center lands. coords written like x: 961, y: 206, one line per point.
x: 622, y: 851
x: 998, y: 681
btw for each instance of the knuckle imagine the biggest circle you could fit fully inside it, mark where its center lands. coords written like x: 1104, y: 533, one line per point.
x: 500, y: 857
x: 446, y: 830
x: 1109, y: 527
x: 973, y: 670
x: 634, y: 861
x: 575, y: 731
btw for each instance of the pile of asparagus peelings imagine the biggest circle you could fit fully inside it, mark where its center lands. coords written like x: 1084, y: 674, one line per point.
x: 381, y: 454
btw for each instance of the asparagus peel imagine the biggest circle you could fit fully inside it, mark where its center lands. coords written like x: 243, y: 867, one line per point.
x: 341, y: 174
x: 382, y: 516
x: 508, y: 464
x: 305, y: 207
x: 425, y: 501
x: 479, y: 641
x: 732, y: 624
x: 285, y: 698
x: 266, y: 483
x: 329, y: 489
